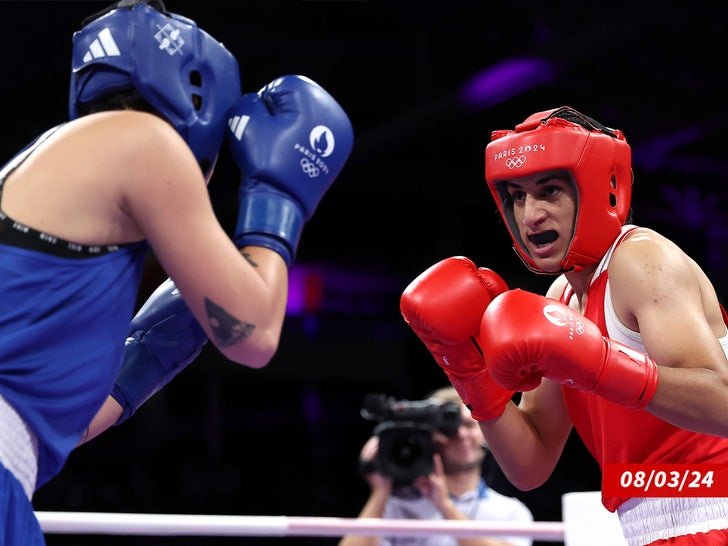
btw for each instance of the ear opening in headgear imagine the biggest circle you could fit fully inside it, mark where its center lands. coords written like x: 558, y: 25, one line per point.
x: 613, y: 189
x: 196, y: 82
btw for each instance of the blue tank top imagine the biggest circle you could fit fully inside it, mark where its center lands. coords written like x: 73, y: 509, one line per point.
x: 65, y: 310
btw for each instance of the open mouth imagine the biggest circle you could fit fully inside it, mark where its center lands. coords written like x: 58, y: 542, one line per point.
x: 544, y: 238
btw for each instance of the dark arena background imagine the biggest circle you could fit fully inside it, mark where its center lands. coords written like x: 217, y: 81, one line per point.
x: 424, y: 84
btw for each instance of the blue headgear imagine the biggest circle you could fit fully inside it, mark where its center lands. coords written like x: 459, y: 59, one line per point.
x: 178, y: 68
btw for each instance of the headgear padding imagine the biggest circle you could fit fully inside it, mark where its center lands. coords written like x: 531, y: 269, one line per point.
x: 596, y: 158
x: 178, y: 68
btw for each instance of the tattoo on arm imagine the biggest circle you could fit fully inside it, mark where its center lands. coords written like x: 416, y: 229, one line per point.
x: 250, y: 259
x: 226, y: 329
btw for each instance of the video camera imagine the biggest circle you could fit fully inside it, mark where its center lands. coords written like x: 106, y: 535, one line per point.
x: 405, y: 432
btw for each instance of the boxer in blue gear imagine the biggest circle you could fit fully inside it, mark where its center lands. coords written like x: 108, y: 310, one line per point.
x: 291, y: 140
x: 80, y: 207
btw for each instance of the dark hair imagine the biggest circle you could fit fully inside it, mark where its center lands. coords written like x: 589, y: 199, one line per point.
x: 156, y: 4
x: 630, y: 215
x: 590, y: 124
x: 128, y: 99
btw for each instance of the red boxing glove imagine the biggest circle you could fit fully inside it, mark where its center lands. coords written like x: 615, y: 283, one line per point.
x: 526, y: 337
x: 444, y: 306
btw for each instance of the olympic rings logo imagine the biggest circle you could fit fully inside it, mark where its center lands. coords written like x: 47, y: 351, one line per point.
x: 561, y: 317
x: 309, y: 168
x: 515, y: 162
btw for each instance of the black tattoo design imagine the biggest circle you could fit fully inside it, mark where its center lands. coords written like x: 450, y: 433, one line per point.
x: 226, y: 329
x: 248, y: 257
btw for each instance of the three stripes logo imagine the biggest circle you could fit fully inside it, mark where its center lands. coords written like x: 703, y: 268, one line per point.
x: 237, y: 125
x: 103, y: 46
x: 168, y: 38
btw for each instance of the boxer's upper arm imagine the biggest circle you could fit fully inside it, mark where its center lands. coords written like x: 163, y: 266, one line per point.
x: 166, y: 195
x: 655, y: 290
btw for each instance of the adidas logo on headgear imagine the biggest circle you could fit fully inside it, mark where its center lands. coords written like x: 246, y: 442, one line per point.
x: 103, y: 46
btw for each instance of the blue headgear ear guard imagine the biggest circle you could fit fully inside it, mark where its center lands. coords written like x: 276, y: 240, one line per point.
x: 178, y: 68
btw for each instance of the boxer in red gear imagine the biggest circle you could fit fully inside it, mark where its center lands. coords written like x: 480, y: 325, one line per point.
x: 628, y: 346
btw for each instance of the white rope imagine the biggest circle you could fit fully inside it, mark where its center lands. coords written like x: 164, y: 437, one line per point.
x: 106, y: 523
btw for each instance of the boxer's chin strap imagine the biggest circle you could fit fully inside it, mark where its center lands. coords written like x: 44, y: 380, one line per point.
x: 533, y: 269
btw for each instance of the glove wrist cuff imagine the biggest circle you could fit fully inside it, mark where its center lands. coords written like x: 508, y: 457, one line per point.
x: 629, y: 377
x: 139, y: 378
x: 482, y: 395
x: 270, y: 219
x: 119, y: 394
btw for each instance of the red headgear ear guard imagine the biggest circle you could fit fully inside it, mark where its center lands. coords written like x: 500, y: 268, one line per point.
x: 598, y: 160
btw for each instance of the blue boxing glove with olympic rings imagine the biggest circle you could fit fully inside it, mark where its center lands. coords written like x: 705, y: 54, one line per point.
x: 290, y: 140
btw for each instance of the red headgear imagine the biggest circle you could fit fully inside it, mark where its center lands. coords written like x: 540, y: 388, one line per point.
x: 596, y: 158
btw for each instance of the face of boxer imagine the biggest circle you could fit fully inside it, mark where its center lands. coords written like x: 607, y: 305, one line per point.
x: 544, y: 209
x: 464, y: 451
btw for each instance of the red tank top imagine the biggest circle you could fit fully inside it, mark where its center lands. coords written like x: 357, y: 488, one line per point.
x: 615, y: 434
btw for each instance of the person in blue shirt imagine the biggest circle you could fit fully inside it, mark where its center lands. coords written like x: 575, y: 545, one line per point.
x: 153, y: 98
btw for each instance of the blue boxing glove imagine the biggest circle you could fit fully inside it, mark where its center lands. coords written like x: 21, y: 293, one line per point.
x: 164, y: 337
x: 290, y: 140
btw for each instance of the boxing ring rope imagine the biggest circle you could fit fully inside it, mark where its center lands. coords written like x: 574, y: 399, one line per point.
x: 107, y: 523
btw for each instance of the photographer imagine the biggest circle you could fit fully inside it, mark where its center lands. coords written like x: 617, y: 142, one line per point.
x: 453, y: 490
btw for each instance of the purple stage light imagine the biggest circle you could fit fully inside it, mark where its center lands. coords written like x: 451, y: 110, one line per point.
x: 504, y: 80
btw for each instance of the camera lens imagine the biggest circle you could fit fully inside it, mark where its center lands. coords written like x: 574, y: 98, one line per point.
x: 406, y: 450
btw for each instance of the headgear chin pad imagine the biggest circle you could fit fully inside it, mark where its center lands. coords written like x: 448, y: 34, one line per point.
x: 596, y: 158
x: 179, y: 69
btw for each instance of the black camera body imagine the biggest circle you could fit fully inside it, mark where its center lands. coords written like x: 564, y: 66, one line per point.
x: 405, y: 432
